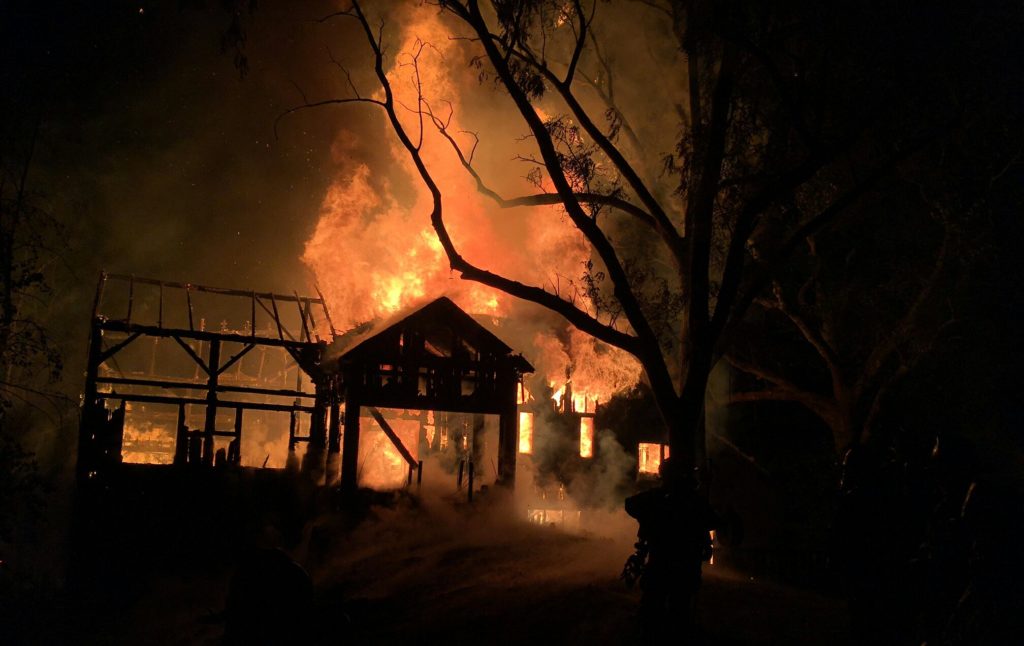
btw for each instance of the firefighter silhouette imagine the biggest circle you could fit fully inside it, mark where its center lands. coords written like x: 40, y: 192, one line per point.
x: 672, y: 543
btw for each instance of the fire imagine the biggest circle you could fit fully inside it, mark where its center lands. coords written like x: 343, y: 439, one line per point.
x: 564, y: 518
x: 146, y: 443
x: 526, y: 432
x: 586, y: 437
x: 596, y: 371
x: 381, y: 466
x: 650, y: 456
x: 374, y: 251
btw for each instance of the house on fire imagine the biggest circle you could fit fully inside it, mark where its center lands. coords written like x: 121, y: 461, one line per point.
x: 431, y: 374
x: 432, y: 358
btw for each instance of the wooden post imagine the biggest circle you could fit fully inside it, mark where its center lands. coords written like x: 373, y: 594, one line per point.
x: 235, y: 448
x: 478, y: 441
x: 181, y: 438
x: 508, y: 443
x: 507, y: 391
x: 350, y: 439
x: 291, y: 463
x: 334, y: 430
x: 313, y: 463
x: 334, y: 435
x: 211, y: 402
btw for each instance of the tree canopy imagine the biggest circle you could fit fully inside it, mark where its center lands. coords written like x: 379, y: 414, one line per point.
x: 784, y: 122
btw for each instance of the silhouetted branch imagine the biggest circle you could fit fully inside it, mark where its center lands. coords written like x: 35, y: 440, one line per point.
x: 573, y: 314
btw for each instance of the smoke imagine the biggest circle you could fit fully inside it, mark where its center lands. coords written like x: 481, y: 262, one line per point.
x: 437, y: 549
x: 374, y: 251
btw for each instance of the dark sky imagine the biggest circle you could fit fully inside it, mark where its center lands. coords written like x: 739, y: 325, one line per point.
x: 162, y: 161
x: 156, y: 144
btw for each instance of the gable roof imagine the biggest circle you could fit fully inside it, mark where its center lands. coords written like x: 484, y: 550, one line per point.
x: 439, y: 312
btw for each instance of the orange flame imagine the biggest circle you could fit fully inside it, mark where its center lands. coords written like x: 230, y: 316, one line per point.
x: 526, y: 432
x: 586, y: 437
x: 374, y: 250
x: 650, y: 456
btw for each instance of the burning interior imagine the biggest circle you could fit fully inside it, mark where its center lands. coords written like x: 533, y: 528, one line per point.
x: 424, y: 379
x: 173, y: 380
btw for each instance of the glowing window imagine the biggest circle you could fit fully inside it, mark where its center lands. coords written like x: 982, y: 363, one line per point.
x: 650, y: 456
x: 526, y: 432
x: 586, y: 437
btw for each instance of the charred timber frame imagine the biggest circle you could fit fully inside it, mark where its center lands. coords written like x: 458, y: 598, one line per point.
x: 100, y: 433
x: 469, y: 371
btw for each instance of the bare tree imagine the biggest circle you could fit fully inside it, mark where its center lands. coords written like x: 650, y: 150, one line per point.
x: 30, y: 362
x: 863, y: 318
x: 779, y: 135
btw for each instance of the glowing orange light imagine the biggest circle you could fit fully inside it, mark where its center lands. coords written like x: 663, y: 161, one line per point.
x: 586, y: 437
x: 526, y: 432
x: 147, y: 444
x: 650, y: 456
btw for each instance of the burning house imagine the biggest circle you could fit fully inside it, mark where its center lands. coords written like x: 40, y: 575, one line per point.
x: 163, y: 385
x: 426, y: 380
x: 363, y: 408
x: 438, y: 360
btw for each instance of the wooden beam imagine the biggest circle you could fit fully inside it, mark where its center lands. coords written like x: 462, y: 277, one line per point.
x: 109, y: 352
x: 192, y: 353
x: 350, y: 445
x: 164, y: 399
x: 230, y: 362
x: 199, y: 335
x: 392, y: 436
x: 205, y: 288
x: 221, y: 388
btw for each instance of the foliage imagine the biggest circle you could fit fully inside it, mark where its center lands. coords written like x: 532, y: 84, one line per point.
x: 30, y: 362
x: 790, y: 118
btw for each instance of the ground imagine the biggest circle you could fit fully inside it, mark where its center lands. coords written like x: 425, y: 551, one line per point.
x: 430, y: 570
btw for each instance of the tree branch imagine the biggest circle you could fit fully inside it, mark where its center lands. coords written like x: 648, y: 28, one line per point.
x: 783, y: 389
x: 671, y: 237
x: 539, y: 199
x: 907, y: 325
x: 646, y: 346
x: 468, y: 271
x: 700, y: 206
x: 824, y: 350
x: 318, y: 104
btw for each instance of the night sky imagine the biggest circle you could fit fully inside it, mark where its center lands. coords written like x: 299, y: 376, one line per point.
x: 159, y: 158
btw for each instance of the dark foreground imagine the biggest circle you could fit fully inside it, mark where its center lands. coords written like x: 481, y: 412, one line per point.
x: 420, y: 570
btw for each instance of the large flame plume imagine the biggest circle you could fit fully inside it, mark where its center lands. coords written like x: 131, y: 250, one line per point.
x: 374, y: 251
